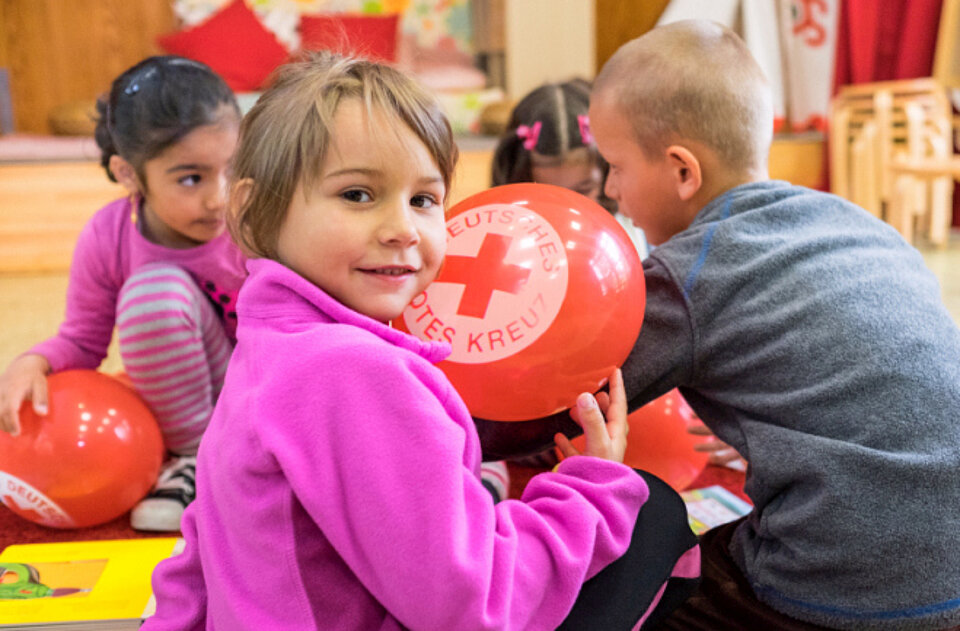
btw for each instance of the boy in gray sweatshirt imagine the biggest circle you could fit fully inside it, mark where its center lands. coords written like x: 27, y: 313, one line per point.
x: 805, y: 333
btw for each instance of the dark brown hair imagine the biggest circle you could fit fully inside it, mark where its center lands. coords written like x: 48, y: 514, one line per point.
x: 558, y: 108
x: 154, y: 104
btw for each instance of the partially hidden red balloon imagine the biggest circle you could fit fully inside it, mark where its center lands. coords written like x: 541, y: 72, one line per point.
x: 659, y: 442
x: 541, y: 296
x: 94, y: 455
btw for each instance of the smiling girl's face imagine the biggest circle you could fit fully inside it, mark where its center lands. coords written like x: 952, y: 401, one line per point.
x: 371, y: 232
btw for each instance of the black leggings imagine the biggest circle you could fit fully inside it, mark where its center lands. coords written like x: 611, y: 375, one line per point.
x: 642, y: 581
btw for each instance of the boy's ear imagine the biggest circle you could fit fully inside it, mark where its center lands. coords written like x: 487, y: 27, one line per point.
x: 125, y: 174
x: 686, y: 172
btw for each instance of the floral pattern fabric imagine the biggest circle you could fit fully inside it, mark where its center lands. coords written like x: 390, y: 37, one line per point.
x: 431, y: 24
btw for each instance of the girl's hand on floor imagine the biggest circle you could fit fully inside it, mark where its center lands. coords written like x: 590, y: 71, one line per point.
x: 25, y: 378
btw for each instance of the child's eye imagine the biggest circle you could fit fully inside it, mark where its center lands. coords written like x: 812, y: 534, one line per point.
x: 423, y: 201
x: 190, y: 180
x: 356, y: 196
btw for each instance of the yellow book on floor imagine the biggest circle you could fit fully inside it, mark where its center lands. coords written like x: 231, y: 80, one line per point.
x: 712, y: 506
x: 80, y: 585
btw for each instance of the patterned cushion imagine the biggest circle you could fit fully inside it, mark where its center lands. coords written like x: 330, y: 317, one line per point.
x: 234, y: 43
x: 370, y: 36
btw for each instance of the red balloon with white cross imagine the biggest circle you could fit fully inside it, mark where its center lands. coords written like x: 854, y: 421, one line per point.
x: 541, y: 297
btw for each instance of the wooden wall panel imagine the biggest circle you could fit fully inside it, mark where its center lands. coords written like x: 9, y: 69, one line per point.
x: 548, y: 40
x: 619, y: 21
x: 60, y: 51
x: 43, y: 207
x: 3, y: 40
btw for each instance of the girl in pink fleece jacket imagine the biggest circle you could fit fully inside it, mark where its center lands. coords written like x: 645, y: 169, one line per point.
x: 158, y: 266
x: 338, y: 481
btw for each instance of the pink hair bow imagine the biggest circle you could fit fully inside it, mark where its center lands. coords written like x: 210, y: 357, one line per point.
x: 530, y: 135
x: 583, y: 121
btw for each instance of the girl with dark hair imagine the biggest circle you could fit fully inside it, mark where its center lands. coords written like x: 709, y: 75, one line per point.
x: 158, y: 265
x: 548, y: 140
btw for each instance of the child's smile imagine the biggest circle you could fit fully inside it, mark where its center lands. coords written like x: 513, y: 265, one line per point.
x: 371, y: 232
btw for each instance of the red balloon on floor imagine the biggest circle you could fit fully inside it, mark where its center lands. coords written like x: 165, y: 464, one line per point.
x: 89, y: 460
x: 541, y: 296
x: 658, y: 441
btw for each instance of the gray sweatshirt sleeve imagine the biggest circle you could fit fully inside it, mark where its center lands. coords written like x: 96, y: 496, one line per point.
x: 663, y: 354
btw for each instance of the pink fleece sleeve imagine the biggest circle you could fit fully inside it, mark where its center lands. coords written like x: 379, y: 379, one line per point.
x: 84, y: 335
x: 178, y: 586
x: 379, y: 466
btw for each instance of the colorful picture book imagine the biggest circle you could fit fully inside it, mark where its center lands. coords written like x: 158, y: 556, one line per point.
x: 102, y: 585
x: 712, y: 506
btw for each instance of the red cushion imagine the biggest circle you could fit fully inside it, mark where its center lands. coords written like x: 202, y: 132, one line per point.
x: 234, y: 43
x: 370, y: 36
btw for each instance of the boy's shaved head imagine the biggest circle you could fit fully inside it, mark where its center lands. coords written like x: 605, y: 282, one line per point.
x: 692, y: 80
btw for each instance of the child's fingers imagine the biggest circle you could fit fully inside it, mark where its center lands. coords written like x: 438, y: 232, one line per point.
x: 616, y: 411
x: 720, y: 453
x: 716, y: 446
x: 603, y: 400
x: 15, y: 423
x: 575, y: 414
x: 9, y: 415
x: 565, y: 446
x: 699, y: 429
x: 724, y: 456
x: 711, y: 446
x: 24, y: 379
x: 6, y: 418
x: 12, y: 396
x: 592, y: 421
x: 40, y: 398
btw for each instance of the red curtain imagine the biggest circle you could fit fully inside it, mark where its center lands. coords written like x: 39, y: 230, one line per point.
x: 880, y: 40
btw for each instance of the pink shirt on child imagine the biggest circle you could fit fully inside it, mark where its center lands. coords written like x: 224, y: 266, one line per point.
x: 109, y: 250
x: 338, y: 487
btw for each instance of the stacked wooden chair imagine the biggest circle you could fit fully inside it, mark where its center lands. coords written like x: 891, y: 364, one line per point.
x: 892, y: 147
x: 891, y: 152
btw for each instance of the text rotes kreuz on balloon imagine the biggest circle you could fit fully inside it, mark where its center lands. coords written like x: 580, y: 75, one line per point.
x: 494, y: 314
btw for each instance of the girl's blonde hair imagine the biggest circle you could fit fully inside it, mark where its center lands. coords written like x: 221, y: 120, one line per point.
x: 286, y: 135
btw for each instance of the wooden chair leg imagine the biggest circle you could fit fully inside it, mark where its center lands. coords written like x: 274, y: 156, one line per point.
x: 899, y: 213
x: 941, y: 207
